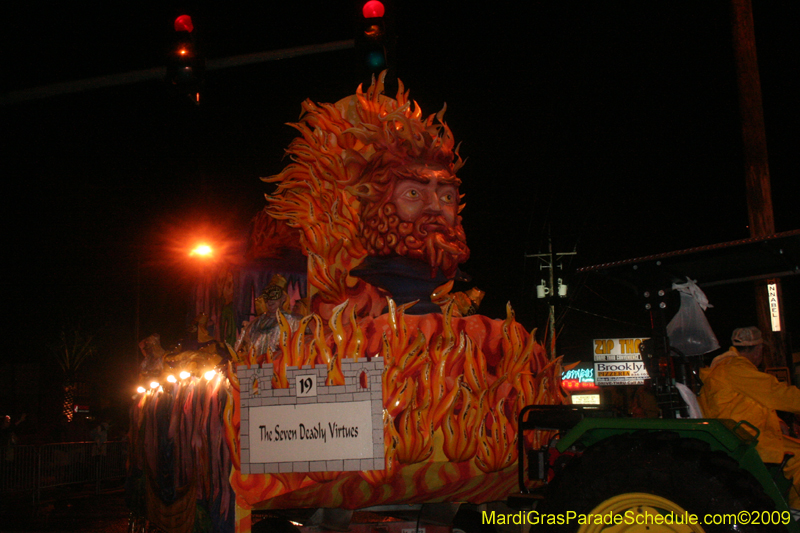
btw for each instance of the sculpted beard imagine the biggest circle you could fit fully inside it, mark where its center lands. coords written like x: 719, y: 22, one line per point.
x: 429, y: 238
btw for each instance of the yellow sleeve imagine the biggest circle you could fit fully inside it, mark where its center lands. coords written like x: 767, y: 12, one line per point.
x: 763, y: 388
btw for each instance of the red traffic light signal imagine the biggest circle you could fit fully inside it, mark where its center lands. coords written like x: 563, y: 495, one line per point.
x: 184, y: 23
x: 373, y: 9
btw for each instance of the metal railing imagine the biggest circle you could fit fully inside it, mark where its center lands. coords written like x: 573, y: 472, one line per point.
x: 34, y: 468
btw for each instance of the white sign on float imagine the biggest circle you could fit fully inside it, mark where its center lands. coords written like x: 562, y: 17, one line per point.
x: 311, y: 426
x: 311, y: 432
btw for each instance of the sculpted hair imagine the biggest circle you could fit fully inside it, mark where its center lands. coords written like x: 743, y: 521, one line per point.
x: 346, y: 158
x: 361, y: 140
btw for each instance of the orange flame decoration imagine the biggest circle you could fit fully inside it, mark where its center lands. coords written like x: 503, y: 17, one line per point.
x: 449, y: 409
x: 452, y: 386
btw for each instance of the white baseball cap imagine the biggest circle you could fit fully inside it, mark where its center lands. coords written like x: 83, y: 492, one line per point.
x: 747, y: 336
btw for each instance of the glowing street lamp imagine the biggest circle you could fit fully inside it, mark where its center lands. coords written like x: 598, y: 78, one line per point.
x: 202, y: 250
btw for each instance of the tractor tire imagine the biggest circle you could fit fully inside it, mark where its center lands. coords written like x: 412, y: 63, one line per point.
x: 646, y: 474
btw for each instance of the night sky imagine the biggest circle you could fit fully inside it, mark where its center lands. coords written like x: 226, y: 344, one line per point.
x: 615, y: 124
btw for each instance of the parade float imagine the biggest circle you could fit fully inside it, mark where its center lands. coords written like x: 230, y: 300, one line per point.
x: 342, y: 372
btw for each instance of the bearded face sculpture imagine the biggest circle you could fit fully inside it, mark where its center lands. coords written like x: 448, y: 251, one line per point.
x: 372, y: 180
x: 418, y: 218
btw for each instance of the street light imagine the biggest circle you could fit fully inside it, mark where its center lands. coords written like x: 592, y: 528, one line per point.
x: 202, y: 250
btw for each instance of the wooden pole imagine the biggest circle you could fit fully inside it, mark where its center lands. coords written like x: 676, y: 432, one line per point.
x: 756, y: 164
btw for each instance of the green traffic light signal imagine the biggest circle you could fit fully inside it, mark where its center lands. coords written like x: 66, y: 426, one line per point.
x: 376, y: 60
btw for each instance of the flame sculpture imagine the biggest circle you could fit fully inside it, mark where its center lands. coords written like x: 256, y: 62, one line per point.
x: 450, y: 410
x: 453, y: 385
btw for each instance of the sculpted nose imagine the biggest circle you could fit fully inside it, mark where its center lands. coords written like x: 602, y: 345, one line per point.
x: 432, y: 204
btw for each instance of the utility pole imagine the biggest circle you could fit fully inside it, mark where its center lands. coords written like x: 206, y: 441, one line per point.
x: 137, y: 328
x: 549, y: 290
x: 756, y: 166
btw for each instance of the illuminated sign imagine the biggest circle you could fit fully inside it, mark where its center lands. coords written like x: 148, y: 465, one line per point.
x: 579, y: 378
x: 618, y: 362
x: 620, y: 373
x: 617, y: 349
x: 586, y: 399
x: 581, y: 375
x: 774, y: 308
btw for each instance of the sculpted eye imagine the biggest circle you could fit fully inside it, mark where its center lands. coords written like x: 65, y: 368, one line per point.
x: 448, y: 198
x: 412, y: 194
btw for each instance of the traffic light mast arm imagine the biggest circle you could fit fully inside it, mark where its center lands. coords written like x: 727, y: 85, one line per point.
x: 158, y: 73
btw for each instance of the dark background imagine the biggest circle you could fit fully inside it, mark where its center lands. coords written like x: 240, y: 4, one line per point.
x: 614, y: 124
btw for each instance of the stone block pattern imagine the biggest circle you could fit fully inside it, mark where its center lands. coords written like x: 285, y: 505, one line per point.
x: 351, y: 391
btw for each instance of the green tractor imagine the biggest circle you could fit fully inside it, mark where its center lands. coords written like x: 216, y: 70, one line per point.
x: 605, y: 473
x: 692, y: 475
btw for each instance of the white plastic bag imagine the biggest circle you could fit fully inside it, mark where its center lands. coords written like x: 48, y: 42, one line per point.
x: 689, y: 330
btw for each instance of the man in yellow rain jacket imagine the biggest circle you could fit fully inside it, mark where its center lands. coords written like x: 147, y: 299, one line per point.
x: 734, y: 388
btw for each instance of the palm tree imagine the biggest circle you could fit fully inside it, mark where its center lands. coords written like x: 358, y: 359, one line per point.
x: 72, y: 349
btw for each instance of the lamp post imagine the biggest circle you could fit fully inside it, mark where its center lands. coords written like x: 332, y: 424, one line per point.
x: 138, y: 308
x: 204, y: 253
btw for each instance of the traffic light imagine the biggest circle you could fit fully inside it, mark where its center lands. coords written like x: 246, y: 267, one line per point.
x: 374, y: 37
x: 185, y: 63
